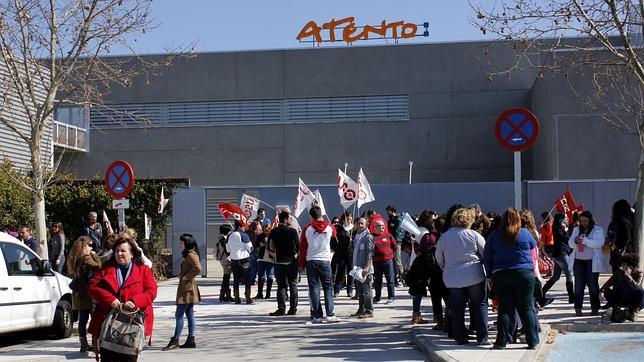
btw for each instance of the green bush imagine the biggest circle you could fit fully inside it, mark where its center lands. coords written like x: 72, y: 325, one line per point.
x: 69, y: 201
x: 16, y: 204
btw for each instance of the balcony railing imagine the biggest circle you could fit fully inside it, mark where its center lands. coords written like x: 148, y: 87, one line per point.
x: 70, y: 137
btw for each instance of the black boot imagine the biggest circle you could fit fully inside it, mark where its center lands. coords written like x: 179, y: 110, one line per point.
x: 571, y: 292
x: 222, y: 295
x: 229, y: 297
x: 249, y: 300
x: 190, y: 343
x: 84, y: 346
x: 236, y: 292
x: 174, y: 343
x: 269, y: 286
x: 260, y: 289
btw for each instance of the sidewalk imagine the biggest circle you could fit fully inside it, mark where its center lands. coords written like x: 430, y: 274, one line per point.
x: 558, y: 317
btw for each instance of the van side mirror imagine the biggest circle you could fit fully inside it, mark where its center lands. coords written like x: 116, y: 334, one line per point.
x: 45, y: 267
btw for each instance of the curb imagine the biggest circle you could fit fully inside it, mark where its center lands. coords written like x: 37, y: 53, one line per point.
x: 435, y: 354
x: 607, y: 327
x: 426, y: 345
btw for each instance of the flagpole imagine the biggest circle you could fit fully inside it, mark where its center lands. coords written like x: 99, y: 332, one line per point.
x: 272, y: 208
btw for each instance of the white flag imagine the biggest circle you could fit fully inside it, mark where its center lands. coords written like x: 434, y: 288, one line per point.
x: 347, y: 189
x: 148, y: 226
x: 107, y: 224
x: 162, y: 202
x: 250, y: 205
x: 304, y: 198
x: 364, y: 190
x: 318, y: 201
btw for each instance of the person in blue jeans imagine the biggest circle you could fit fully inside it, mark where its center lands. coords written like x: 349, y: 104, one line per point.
x: 510, y: 268
x: 383, y: 259
x: 187, y: 292
x: 459, y: 252
x: 315, y: 257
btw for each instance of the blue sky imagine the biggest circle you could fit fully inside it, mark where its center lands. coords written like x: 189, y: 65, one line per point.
x: 223, y: 25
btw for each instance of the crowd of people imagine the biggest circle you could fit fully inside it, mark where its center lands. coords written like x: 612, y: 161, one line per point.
x: 460, y: 258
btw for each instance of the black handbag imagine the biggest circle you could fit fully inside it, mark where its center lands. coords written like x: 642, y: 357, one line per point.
x: 79, y: 284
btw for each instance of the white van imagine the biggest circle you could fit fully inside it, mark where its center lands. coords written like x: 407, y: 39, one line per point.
x: 31, y: 294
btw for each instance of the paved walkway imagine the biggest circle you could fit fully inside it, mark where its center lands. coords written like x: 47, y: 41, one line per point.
x: 558, y: 317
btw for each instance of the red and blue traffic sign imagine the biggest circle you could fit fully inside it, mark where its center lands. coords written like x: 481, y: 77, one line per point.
x: 119, y: 179
x: 517, y: 129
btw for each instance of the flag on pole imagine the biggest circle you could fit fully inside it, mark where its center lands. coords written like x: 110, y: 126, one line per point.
x: 364, y: 190
x: 304, y: 198
x: 162, y: 202
x: 228, y: 210
x: 318, y: 201
x: 148, y: 226
x: 250, y: 205
x: 347, y: 189
x: 566, y: 204
x: 107, y: 223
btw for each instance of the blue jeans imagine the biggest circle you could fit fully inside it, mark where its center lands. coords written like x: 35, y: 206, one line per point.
x: 515, y: 293
x: 584, y: 276
x: 477, y: 295
x: 253, y: 266
x: 83, y: 317
x: 319, y: 276
x: 365, y: 295
x: 386, y: 268
x: 265, y: 270
x: 416, y: 303
x: 189, y: 311
x: 239, y: 272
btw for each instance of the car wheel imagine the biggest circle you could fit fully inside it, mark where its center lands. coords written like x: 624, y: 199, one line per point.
x: 63, y: 320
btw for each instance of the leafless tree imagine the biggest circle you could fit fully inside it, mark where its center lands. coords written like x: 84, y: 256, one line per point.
x: 54, y: 52
x: 602, y: 38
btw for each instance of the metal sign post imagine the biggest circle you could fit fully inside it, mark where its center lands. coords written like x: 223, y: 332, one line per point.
x: 517, y: 129
x: 517, y: 180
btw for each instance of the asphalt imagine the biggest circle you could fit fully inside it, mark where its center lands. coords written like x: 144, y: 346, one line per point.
x: 245, y: 332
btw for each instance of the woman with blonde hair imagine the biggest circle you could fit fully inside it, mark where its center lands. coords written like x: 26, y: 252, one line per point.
x: 82, y: 263
x: 459, y: 252
x: 510, y: 268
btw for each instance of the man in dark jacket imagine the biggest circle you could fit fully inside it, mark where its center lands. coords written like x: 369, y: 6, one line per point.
x: 393, y: 224
x: 29, y: 240
x: 284, y: 244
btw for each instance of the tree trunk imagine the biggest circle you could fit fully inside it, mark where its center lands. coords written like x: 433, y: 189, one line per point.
x: 639, y: 212
x: 41, y: 226
x: 38, y: 193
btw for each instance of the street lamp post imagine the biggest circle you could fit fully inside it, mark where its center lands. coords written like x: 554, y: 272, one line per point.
x: 411, y: 165
x: 345, y: 167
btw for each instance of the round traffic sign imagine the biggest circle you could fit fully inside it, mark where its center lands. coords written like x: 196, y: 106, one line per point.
x: 119, y: 179
x: 517, y: 129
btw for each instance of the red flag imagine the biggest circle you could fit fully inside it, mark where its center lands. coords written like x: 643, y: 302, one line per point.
x: 566, y: 204
x: 229, y: 209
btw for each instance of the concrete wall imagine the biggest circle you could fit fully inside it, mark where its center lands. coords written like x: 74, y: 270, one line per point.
x: 449, y: 135
x: 452, y: 106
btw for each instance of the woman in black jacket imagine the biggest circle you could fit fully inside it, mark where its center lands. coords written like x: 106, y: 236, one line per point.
x: 560, y: 253
x: 620, y: 232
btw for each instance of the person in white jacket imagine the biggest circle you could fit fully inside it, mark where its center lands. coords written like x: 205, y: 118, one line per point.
x: 239, y: 247
x: 586, y: 241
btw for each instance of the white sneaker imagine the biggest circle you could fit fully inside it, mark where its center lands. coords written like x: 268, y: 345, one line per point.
x: 314, y: 321
x: 333, y: 319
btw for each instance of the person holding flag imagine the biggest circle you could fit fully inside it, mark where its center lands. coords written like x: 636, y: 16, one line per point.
x: 315, y: 257
x: 239, y: 247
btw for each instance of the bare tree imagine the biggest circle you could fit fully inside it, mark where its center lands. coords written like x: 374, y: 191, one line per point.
x: 53, y: 52
x: 600, y: 37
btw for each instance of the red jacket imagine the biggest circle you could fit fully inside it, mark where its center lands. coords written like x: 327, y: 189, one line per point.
x: 139, y: 287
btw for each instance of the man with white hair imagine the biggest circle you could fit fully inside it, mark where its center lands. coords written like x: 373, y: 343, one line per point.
x: 94, y: 230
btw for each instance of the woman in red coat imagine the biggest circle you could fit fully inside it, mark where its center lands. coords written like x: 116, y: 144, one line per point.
x: 124, y: 281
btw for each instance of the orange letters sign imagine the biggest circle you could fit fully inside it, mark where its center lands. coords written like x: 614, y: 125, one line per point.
x: 352, y: 33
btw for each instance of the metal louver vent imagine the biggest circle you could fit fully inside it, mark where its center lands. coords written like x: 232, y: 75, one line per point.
x: 303, y: 110
x: 213, y: 216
